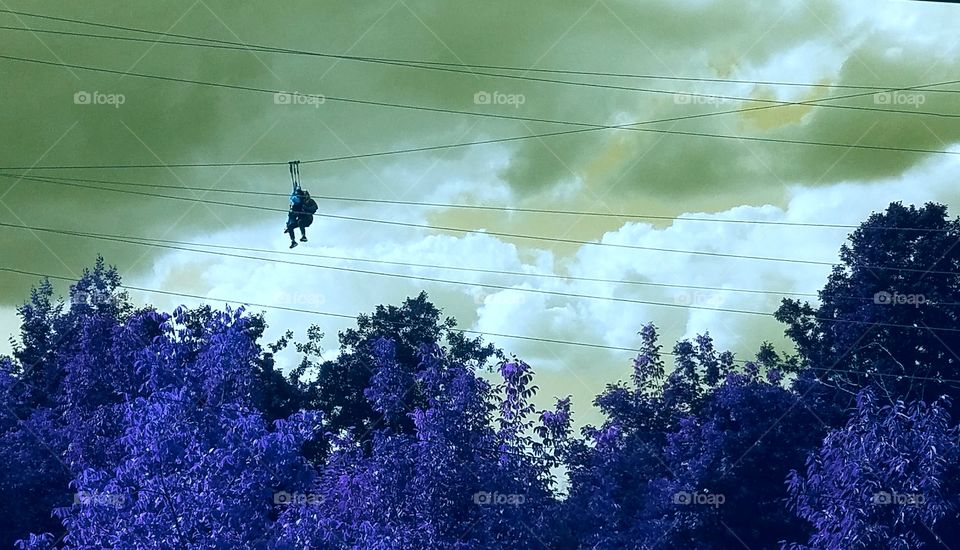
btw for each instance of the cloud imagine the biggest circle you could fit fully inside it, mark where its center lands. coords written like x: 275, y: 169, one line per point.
x: 10, y: 327
x: 526, y: 308
x: 562, y: 368
x: 618, y: 172
x: 843, y: 42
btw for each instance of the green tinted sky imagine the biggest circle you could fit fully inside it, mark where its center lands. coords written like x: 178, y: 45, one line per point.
x: 817, y: 41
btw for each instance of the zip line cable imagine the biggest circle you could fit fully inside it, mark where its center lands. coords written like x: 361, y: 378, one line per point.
x: 584, y: 125
x: 509, y: 209
x: 134, y: 241
x: 479, y: 333
x: 128, y: 240
x: 461, y: 230
x: 496, y: 271
x: 320, y: 313
x: 465, y: 331
x: 506, y: 234
x: 473, y: 270
x: 485, y: 271
x: 465, y: 269
x: 418, y: 65
x: 421, y: 62
x: 589, y: 84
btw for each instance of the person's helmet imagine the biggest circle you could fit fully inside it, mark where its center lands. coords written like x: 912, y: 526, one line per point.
x: 306, y: 194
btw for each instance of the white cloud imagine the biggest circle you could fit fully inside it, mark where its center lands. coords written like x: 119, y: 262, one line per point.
x: 9, y: 326
x: 563, y: 369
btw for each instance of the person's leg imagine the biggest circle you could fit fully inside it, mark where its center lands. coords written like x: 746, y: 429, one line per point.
x: 305, y: 222
x: 291, y: 227
x: 291, y: 222
x: 293, y: 239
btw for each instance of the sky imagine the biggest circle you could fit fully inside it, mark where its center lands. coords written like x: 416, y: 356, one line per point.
x: 44, y: 121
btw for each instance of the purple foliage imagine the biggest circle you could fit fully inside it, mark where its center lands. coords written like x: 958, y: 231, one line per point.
x: 889, y: 478
x: 143, y: 429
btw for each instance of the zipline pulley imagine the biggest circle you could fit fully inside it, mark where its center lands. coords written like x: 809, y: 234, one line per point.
x: 295, y: 174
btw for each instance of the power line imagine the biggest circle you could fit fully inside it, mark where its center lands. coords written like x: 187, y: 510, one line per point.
x: 477, y: 270
x: 461, y: 230
x: 504, y: 272
x: 472, y: 72
x: 129, y: 240
x: 458, y: 268
x: 426, y: 63
x: 466, y: 331
x: 321, y: 313
x: 179, y: 246
x: 509, y: 209
x: 584, y: 125
x: 508, y: 235
x: 487, y: 271
x: 512, y: 273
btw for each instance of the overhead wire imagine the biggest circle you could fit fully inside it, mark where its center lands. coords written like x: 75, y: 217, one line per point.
x: 476, y: 73
x: 314, y: 312
x: 134, y: 241
x: 487, y: 271
x: 183, y: 248
x: 451, y: 229
x: 596, y: 127
x: 474, y: 270
x: 484, y: 207
x: 524, y: 69
x: 454, y: 329
x: 539, y: 120
x: 510, y: 235
x: 584, y: 125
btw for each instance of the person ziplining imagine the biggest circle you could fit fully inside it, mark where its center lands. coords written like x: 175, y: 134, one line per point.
x: 302, y: 207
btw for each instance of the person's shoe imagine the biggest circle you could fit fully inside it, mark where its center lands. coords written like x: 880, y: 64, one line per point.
x: 293, y: 244
x: 303, y: 239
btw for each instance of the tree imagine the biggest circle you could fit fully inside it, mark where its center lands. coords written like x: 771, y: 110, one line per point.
x: 459, y: 481
x: 889, y: 311
x: 687, y: 458
x: 612, y: 501
x: 337, y: 388
x: 69, y: 368
x: 726, y: 465
x: 889, y: 478
x: 196, y: 466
